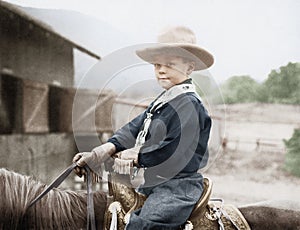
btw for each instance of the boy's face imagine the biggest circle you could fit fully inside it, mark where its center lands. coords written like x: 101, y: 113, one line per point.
x: 170, y: 70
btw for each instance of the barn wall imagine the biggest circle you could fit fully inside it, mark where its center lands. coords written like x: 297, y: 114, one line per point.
x: 33, y: 52
x: 30, y: 52
x: 43, y: 156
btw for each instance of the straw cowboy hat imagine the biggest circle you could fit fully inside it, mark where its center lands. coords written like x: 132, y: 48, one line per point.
x: 178, y: 41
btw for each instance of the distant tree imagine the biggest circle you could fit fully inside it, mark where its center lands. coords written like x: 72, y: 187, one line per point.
x: 240, y: 89
x: 283, y: 85
x: 292, y: 158
x: 262, y: 94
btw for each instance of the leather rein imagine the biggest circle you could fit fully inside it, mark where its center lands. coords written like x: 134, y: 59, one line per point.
x: 91, y: 224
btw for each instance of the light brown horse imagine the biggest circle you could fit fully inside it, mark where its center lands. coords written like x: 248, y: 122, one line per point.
x: 59, y: 209
x: 62, y: 209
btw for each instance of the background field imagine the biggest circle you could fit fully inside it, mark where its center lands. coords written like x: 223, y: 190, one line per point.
x: 245, y: 172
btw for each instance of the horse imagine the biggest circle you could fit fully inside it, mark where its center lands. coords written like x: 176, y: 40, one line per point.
x: 66, y: 209
x: 59, y: 209
x: 273, y: 215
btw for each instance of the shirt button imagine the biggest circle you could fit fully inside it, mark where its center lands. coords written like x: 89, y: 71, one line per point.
x: 158, y: 111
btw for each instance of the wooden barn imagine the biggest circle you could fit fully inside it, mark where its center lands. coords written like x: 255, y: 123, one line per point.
x: 32, y: 50
x: 36, y: 67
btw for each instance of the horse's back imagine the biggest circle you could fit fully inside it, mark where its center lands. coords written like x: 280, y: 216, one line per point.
x: 273, y: 214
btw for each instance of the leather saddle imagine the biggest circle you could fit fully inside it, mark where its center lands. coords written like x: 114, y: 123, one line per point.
x: 124, y: 200
x: 208, y: 214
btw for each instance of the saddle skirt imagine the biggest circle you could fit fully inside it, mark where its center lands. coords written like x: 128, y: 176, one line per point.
x: 207, y: 214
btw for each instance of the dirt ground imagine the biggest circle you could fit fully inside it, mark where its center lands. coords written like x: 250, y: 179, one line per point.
x: 248, y: 177
x: 247, y: 172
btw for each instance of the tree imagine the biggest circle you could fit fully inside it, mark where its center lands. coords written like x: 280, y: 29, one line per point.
x: 240, y: 89
x: 283, y: 85
x: 292, y: 159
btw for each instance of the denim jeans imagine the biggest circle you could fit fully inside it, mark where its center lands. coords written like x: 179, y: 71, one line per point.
x: 168, y: 205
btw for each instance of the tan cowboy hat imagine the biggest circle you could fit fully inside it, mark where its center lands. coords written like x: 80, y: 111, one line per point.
x: 178, y: 41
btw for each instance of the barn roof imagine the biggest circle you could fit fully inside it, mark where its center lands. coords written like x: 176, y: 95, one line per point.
x: 14, y: 9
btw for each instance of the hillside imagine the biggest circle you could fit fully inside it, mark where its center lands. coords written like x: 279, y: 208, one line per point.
x: 85, y: 30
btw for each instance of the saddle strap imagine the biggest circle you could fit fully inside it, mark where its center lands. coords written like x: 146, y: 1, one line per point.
x: 230, y: 219
x: 223, y: 217
x: 91, y: 224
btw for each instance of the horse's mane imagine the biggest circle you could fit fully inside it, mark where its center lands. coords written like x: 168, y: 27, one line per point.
x: 59, y: 209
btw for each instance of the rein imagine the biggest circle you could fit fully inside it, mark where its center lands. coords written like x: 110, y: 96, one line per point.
x: 91, y: 224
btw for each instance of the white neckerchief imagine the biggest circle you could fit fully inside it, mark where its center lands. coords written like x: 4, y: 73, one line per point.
x: 162, y: 99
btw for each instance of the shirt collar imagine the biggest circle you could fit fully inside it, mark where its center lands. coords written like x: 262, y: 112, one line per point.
x: 187, y: 81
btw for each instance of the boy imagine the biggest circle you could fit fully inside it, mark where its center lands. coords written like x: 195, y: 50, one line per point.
x: 169, y: 140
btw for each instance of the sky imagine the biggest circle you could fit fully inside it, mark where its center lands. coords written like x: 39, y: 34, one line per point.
x: 246, y: 37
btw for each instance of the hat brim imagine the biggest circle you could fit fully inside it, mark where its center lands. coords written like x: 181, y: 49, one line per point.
x: 202, y: 58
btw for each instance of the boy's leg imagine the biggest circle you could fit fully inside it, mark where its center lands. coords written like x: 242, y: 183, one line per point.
x: 168, y: 206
